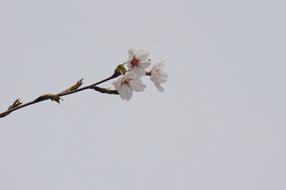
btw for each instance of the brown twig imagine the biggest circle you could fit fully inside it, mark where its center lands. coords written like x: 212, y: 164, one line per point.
x: 71, y: 90
x: 105, y: 91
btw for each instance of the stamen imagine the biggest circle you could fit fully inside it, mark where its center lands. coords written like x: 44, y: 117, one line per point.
x: 134, y: 62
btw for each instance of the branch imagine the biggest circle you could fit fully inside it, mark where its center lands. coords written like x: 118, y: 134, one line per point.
x: 104, y: 90
x: 130, y: 81
x: 17, y: 104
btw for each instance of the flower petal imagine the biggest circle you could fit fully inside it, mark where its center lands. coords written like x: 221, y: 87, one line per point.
x: 117, y: 84
x: 159, y: 87
x: 139, y: 71
x: 145, y: 64
x: 129, y: 93
x: 131, y: 53
x: 123, y: 92
x: 142, y: 54
x: 137, y: 85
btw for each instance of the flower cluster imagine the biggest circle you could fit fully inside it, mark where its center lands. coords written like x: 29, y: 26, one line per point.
x: 137, y: 64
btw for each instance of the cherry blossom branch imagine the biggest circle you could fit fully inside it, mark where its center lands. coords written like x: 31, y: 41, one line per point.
x: 130, y: 81
x: 17, y: 104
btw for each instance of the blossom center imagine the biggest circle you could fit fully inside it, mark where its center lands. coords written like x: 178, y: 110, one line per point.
x: 134, y: 62
x: 126, y: 81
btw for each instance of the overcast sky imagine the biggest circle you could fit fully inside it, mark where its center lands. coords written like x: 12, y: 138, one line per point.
x: 219, y: 125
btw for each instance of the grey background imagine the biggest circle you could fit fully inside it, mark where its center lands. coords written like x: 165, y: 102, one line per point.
x: 220, y: 124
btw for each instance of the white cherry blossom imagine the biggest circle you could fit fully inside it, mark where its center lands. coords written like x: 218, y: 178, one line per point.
x: 128, y: 83
x: 138, y: 61
x: 158, y: 76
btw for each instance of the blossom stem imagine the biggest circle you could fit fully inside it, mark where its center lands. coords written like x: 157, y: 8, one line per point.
x: 87, y: 87
x: 64, y: 93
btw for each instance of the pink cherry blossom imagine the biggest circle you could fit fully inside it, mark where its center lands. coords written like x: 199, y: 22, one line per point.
x: 138, y: 61
x: 128, y: 83
x: 158, y: 76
